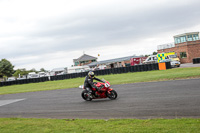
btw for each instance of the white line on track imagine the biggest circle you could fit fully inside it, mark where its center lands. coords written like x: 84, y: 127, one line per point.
x: 5, y: 102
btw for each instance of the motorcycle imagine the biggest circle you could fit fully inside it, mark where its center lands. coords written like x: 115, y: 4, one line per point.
x: 104, y: 92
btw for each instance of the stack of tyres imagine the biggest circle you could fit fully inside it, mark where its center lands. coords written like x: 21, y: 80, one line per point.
x: 1, y: 84
x: 141, y: 68
x: 78, y: 75
x: 101, y: 72
x: 106, y: 72
x: 156, y: 66
x: 118, y: 70
x: 97, y: 72
x: 125, y: 69
x: 168, y: 65
x: 149, y: 67
x: 129, y: 68
x: 85, y: 74
x: 136, y: 68
x: 68, y: 76
x: 19, y: 82
x: 196, y: 60
x: 115, y: 71
x: 112, y: 71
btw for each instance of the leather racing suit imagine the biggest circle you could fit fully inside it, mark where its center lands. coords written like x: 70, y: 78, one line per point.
x: 88, y: 84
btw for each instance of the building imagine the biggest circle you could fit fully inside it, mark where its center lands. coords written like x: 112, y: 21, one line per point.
x: 186, y: 46
x: 84, y: 60
x: 112, y: 63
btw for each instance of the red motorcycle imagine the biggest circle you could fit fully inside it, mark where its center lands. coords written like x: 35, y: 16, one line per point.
x: 104, y: 92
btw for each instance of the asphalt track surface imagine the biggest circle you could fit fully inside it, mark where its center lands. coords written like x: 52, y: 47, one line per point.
x: 166, y: 99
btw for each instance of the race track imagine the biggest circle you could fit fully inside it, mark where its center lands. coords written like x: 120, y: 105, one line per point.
x: 167, y: 99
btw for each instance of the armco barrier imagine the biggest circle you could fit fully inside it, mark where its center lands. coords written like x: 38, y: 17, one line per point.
x: 136, y: 68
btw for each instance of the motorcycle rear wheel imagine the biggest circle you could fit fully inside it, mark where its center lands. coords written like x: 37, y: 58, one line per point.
x: 85, y: 95
x: 112, y: 95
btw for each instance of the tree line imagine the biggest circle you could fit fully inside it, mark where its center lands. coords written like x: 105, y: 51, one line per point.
x: 7, y: 70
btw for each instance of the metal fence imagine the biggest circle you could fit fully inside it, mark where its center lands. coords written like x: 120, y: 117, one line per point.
x: 136, y: 68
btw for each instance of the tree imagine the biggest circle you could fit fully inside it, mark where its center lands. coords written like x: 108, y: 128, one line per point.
x: 6, y: 68
x: 33, y: 70
x: 154, y: 53
x: 43, y: 70
x: 21, y: 72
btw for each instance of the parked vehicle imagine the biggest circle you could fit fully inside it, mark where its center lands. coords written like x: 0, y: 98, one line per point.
x: 173, y: 63
x: 62, y: 73
x: 105, y: 92
x: 42, y: 74
x: 151, y: 59
x: 173, y: 56
x: 168, y: 55
x: 78, y: 69
x: 21, y: 78
x: 11, y: 79
x: 137, y: 60
x: 162, y: 57
x: 32, y: 75
x: 57, y: 71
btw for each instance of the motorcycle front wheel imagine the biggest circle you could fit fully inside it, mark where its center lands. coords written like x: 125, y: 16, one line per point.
x: 112, y: 95
x: 85, y: 95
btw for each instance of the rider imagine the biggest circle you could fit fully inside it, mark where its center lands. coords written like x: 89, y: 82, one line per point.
x: 88, y: 84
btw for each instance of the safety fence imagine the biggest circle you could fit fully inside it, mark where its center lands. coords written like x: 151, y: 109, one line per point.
x: 119, y: 70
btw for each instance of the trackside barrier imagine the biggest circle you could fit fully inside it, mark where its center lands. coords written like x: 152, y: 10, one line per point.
x: 162, y: 66
x: 24, y: 81
x: 136, y: 68
x: 196, y: 60
x: 168, y: 65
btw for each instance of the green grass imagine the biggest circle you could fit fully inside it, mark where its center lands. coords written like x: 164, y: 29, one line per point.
x: 170, y: 74
x: 23, y: 125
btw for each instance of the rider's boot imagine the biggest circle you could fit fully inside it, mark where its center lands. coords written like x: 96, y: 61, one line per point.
x: 96, y: 94
x: 90, y: 94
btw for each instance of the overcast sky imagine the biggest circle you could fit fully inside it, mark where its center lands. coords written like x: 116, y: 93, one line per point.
x: 51, y: 33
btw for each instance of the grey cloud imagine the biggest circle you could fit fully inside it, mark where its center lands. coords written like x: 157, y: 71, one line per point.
x: 134, y: 23
x: 101, y: 29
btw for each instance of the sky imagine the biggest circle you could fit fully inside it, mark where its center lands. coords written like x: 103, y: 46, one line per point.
x: 51, y: 33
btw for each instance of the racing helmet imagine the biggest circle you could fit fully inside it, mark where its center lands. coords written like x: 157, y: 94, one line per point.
x: 91, y: 74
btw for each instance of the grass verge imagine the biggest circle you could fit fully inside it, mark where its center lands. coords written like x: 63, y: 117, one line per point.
x: 170, y: 74
x: 33, y: 125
